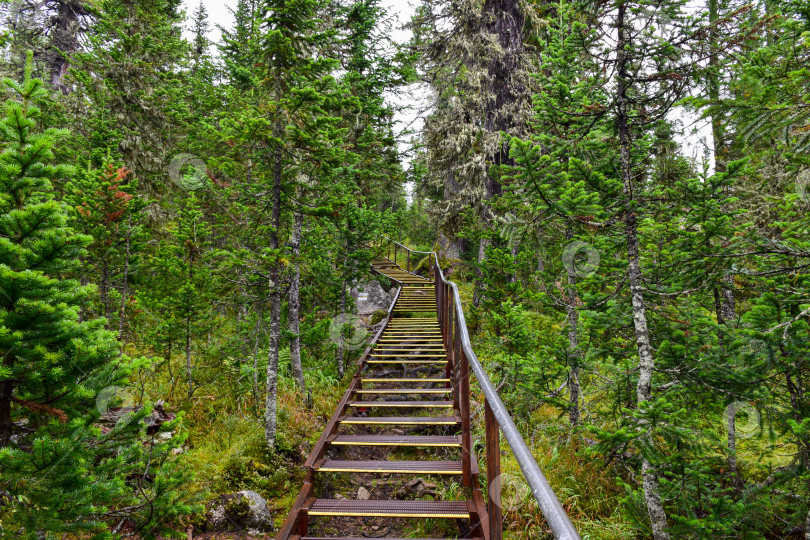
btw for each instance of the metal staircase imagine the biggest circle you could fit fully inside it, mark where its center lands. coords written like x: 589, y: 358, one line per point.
x: 412, y: 391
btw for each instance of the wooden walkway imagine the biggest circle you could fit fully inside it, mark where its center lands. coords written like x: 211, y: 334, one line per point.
x: 406, y: 395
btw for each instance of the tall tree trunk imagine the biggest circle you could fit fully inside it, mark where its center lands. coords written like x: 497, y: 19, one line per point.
x: 449, y: 247
x: 483, y: 244
x: 646, y: 362
x: 65, y: 40
x: 725, y: 304
x: 256, y: 340
x: 274, y: 332
x: 295, y: 305
x: 573, y: 341
x: 340, y: 350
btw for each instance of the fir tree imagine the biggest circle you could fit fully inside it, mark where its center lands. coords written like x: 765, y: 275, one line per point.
x: 62, y: 472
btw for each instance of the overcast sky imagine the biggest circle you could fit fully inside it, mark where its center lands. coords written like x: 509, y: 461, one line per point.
x: 219, y: 14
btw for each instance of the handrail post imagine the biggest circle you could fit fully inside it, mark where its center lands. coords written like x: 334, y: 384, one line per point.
x: 494, y: 508
x: 456, y: 344
x: 464, y: 409
x: 409, y: 260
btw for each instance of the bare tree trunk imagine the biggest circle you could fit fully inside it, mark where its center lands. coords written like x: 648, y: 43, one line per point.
x: 168, y: 357
x: 646, y: 362
x: 449, y: 248
x: 573, y: 342
x: 256, y: 340
x: 340, y: 351
x: 65, y: 40
x: 295, y: 306
x: 478, y: 293
x: 274, y: 333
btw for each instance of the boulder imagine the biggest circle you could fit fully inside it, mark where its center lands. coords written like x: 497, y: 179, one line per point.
x: 370, y: 297
x: 363, y: 494
x: 244, y: 511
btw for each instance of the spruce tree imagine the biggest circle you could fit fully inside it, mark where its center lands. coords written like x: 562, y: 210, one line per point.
x: 61, y: 471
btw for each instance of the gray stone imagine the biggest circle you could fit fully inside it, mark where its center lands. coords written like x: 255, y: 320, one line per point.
x: 242, y: 511
x: 370, y: 297
x: 363, y: 494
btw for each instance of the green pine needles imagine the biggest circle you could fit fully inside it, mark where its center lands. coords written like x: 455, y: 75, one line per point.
x: 64, y: 469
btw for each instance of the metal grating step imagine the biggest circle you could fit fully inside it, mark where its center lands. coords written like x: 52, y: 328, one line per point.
x: 412, y: 404
x: 392, y: 467
x: 397, y: 440
x: 404, y: 509
x: 425, y: 380
x: 359, y: 538
x: 405, y: 391
x: 402, y: 420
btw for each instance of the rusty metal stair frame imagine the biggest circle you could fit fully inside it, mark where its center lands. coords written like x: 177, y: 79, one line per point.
x: 397, y: 330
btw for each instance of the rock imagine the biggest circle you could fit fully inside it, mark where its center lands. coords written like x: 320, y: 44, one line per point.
x: 370, y: 297
x: 242, y: 511
x: 416, y: 487
x: 363, y: 494
x: 393, y: 292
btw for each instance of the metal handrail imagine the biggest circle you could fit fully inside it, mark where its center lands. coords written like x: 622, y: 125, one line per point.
x: 557, y: 518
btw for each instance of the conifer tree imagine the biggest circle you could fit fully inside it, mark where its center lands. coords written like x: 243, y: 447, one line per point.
x: 62, y: 472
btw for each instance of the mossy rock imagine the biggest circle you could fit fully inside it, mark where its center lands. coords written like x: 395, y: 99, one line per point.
x: 377, y: 316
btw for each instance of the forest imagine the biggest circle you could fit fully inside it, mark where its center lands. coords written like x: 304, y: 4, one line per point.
x: 619, y: 188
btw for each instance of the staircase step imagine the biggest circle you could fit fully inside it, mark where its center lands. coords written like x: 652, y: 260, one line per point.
x: 397, y: 440
x: 393, y: 360
x: 393, y: 350
x: 402, y: 420
x: 405, y: 391
x: 356, y: 538
x: 406, y: 380
x: 403, y: 509
x: 393, y: 404
x: 391, y: 467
